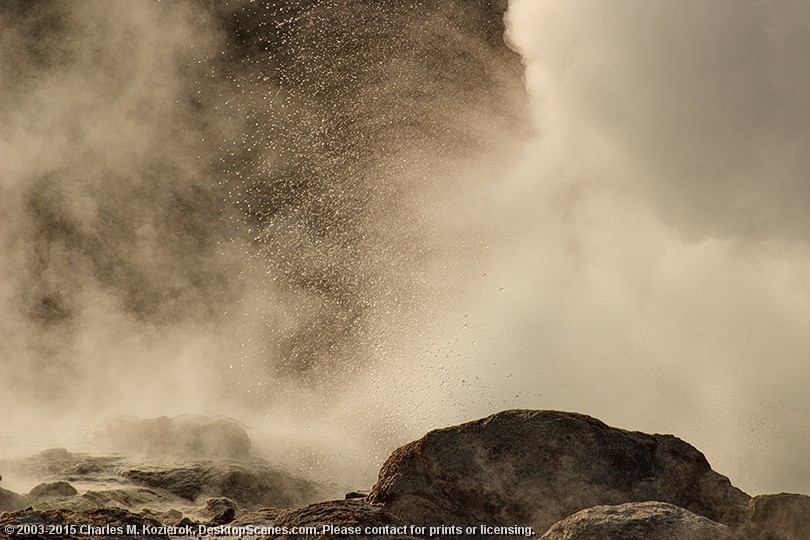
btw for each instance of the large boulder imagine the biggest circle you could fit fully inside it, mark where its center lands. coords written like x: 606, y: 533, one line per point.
x: 782, y: 516
x: 637, y: 521
x: 534, y: 468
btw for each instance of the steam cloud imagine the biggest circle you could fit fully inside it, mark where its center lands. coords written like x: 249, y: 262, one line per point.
x: 246, y: 208
x: 666, y: 283
x: 333, y: 219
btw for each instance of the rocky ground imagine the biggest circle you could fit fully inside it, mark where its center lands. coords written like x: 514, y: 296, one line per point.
x: 541, y: 474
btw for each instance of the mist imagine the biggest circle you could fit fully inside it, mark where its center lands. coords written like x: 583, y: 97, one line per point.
x: 255, y: 210
x: 660, y: 279
x: 346, y: 223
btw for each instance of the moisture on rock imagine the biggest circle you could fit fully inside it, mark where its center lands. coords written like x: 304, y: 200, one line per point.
x: 536, y: 467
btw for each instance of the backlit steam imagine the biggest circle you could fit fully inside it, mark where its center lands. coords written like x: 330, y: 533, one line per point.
x: 244, y: 208
x: 666, y: 286
x: 345, y: 222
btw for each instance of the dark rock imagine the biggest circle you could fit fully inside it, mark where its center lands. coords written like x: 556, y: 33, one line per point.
x: 356, y: 495
x: 53, y: 489
x: 537, y: 467
x: 783, y: 516
x: 250, y: 485
x: 127, y: 497
x: 216, y: 506
x: 58, y: 464
x: 185, y: 482
x: 172, y: 516
x: 182, y: 436
x: 637, y: 521
x: 107, y: 524
x: 263, y: 516
x: 262, y: 486
x: 356, y: 514
x: 10, y: 501
x: 224, y: 517
x: 187, y: 522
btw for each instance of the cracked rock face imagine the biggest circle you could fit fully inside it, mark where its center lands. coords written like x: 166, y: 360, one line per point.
x: 535, y: 468
x: 637, y: 521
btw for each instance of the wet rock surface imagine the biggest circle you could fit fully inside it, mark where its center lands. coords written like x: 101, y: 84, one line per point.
x: 537, y: 467
x: 251, y: 484
x: 157, y: 486
x: 637, y: 521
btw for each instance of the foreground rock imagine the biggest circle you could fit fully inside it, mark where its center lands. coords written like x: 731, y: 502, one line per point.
x: 107, y: 524
x: 517, y: 473
x: 534, y: 468
x: 155, y: 483
x: 783, y: 516
x: 637, y: 521
x: 350, y: 518
x: 251, y: 485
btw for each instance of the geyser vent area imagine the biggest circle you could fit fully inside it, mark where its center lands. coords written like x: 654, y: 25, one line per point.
x: 519, y: 473
x: 347, y: 222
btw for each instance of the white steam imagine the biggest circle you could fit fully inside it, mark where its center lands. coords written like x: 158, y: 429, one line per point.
x: 350, y: 242
x: 659, y: 280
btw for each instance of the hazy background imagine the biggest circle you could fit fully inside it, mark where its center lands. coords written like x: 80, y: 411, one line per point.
x: 348, y: 222
x: 663, y: 279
